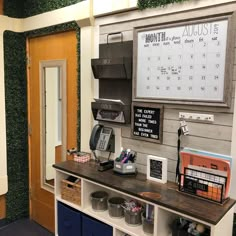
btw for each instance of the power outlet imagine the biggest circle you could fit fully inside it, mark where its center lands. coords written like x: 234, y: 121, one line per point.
x: 196, y: 117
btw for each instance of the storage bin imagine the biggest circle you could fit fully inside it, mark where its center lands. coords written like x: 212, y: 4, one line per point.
x: 93, y: 227
x: 133, y: 218
x: 148, y: 224
x: 99, y: 200
x: 71, y: 191
x: 124, y: 168
x: 115, y: 208
x: 69, y: 221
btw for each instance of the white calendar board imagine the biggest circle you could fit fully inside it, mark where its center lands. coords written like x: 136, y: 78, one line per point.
x: 185, y: 62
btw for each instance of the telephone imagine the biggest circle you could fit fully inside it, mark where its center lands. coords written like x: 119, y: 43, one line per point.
x: 100, y: 137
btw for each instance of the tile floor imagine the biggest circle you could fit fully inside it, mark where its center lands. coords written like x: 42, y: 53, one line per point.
x: 24, y: 227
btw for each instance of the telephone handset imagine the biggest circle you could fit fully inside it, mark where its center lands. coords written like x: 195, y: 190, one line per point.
x: 100, y: 137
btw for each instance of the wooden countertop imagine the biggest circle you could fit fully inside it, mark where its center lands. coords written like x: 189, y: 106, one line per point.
x: 166, y: 195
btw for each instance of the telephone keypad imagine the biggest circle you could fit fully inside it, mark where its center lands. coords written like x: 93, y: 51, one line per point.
x: 104, y: 138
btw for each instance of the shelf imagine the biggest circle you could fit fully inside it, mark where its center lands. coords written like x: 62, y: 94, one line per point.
x: 119, y: 223
x: 120, y: 233
x: 75, y: 206
x: 170, y: 206
x: 134, y: 185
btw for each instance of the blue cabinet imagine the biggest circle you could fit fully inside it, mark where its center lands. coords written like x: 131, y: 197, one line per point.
x: 92, y: 227
x: 74, y: 223
x: 69, y: 221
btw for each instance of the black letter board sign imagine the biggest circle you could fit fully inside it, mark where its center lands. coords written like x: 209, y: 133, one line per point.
x: 147, y: 121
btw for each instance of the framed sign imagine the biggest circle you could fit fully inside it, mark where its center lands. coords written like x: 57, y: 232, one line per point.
x: 184, y: 63
x: 157, y: 168
x: 147, y: 120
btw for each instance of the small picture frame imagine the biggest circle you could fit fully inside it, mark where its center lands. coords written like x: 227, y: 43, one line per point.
x: 157, y: 169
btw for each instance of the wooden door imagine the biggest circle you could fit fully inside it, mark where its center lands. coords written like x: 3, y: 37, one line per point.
x: 1, y: 7
x: 50, y: 47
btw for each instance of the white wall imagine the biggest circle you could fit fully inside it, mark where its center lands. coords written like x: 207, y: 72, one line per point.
x: 202, y: 138
x: 233, y: 153
x: 3, y: 161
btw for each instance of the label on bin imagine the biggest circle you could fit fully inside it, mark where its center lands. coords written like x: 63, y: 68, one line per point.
x: 129, y: 167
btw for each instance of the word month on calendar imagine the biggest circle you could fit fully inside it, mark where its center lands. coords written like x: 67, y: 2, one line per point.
x: 186, y: 62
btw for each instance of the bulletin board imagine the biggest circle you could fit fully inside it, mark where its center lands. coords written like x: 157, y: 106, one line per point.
x: 187, y: 62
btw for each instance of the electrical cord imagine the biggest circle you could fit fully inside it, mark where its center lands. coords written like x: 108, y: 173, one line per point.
x: 177, y: 172
x: 96, y: 158
x: 109, y: 156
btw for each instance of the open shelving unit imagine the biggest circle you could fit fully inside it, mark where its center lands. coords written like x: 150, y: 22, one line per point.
x: 163, y: 215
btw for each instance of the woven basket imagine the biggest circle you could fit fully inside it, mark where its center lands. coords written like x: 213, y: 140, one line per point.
x: 71, y: 191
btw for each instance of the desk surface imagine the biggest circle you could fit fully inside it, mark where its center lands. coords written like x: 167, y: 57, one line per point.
x: 165, y: 195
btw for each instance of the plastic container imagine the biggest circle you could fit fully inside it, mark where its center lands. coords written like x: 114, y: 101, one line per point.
x: 148, y: 225
x: 114, y: 207
x: 133, y: 218
x: 99, y: 200
x: 124, y: 168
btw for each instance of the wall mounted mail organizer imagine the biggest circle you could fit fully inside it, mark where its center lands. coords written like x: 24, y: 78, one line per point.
x: 113, y: 68
x: 185, y: 62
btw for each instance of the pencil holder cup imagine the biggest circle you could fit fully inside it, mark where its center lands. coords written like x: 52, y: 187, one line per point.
x: 133, y: 218
x: 124, y: 168
x: 148, y: 224
x: 115, y: 208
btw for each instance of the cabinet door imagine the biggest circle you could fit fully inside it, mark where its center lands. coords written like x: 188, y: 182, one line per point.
x: 69, y: 221
x: 92, y: 227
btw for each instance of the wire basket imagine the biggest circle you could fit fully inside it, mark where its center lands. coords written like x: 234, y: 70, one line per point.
x: 71, y: 191
x: 202, y: 184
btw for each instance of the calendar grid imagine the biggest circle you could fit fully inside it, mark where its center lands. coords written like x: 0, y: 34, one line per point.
x: 184, y: 62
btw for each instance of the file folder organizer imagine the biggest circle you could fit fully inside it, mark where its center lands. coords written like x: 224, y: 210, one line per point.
x: 203, y: 184
x: 209, y: 162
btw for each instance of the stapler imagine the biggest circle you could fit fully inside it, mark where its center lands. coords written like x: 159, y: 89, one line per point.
x: 105, y: 165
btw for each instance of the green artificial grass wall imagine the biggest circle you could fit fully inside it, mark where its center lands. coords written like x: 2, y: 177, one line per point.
x: 143, y: 4
x: 234, y: 226
x: 17, y: 197
x: 26, y: 8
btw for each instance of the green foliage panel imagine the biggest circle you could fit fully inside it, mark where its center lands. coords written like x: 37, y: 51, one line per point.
x: 234, y: 225
x: 143, y: 4
x: 17, y: 198
x: 26, y: 8
x: 16, y: 125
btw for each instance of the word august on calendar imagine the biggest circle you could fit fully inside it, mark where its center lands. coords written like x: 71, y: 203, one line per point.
x: 185, y: 62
